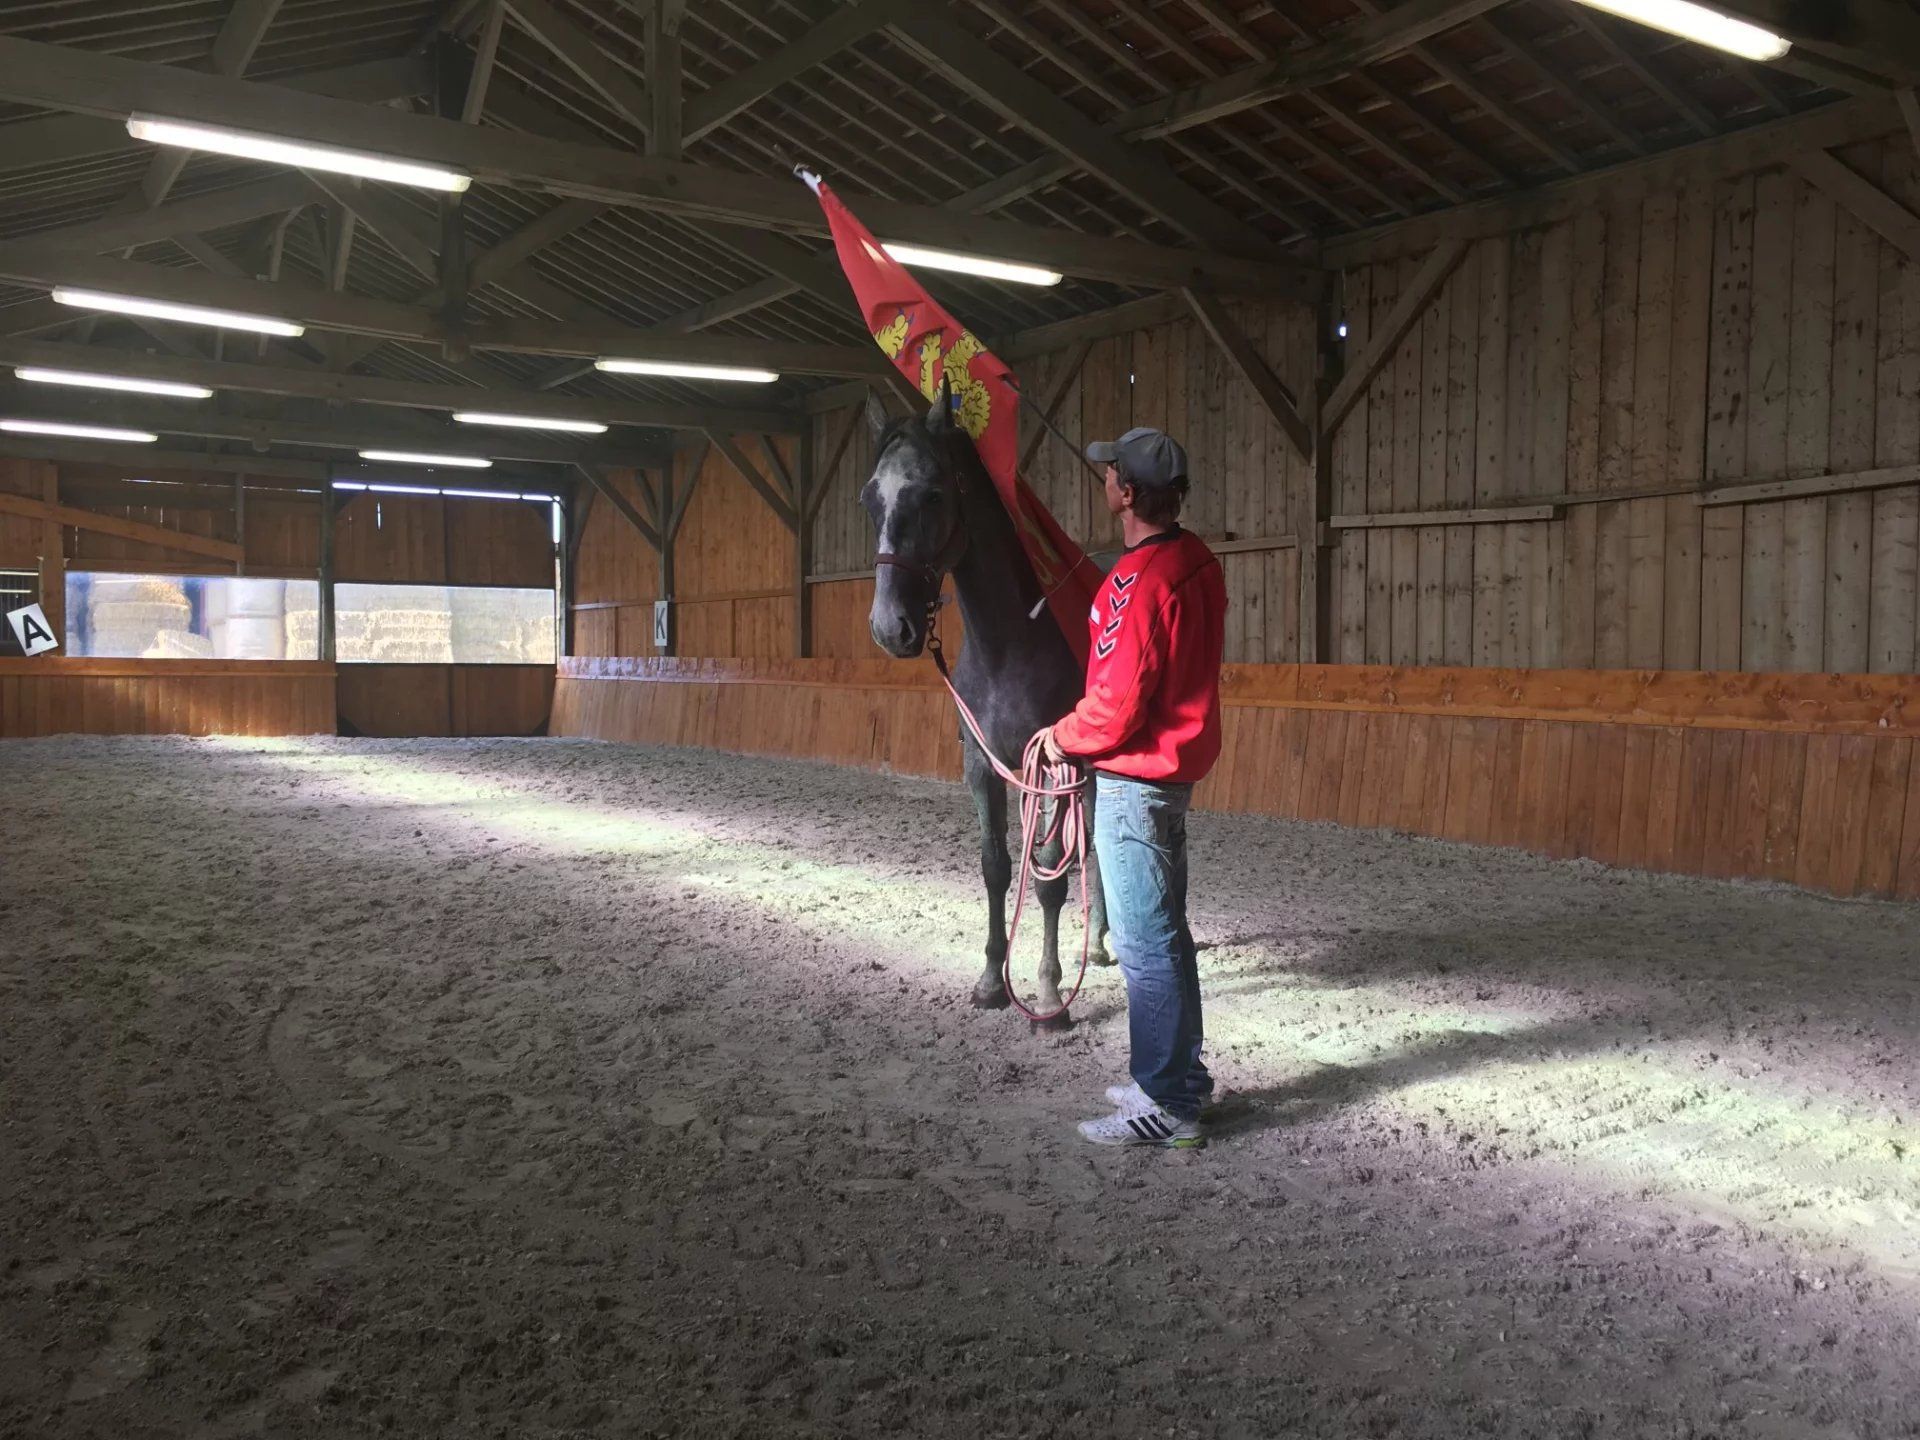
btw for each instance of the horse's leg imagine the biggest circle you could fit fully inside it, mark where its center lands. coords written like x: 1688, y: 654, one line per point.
x: 989, y: 793
x: 1097, y: 953
x: 1052, y: 895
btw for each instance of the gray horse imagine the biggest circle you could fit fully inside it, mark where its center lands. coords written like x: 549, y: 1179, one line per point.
x: 935, y: 512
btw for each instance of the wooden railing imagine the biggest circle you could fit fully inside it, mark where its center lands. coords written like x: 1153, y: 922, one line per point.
x: 1809, y: 779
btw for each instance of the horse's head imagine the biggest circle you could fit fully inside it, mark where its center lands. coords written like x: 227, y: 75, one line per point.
x: 914, y: 501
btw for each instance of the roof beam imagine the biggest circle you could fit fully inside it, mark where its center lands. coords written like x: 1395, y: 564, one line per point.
x: 350, y: 432
x: 1364, y: 44
x: 50, y: 75
x: 585, y: 57
x: 233, y: 47
x: 181, y: 217
x: 58, y: 139
x: 371, y: 390
x: 1881, y: 37
x: 665, y: 122
x: 603, y: 483
x: 485, y: 51
x: 714, y: 107
x: 1830, y: 127
x: 325, y: 310
x: 1007, y: 90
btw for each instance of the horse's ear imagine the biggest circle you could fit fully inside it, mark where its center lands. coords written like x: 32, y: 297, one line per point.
x: 876, y: 415
x: 940, y: 413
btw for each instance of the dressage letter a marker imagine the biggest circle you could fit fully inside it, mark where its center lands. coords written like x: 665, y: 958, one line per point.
x: 30, y: 628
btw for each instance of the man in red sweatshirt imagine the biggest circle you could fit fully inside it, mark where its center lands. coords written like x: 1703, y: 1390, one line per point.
x: 1150, y: 727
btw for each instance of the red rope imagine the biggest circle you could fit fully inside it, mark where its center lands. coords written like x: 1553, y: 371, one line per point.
x: 1038, y: 782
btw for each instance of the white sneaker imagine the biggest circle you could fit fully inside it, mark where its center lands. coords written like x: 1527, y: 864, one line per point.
x: 1144, y: 1124
x: 1130, y: 1095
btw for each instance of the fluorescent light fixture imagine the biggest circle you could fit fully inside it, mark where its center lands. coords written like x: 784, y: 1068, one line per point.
x: 542, y: 499
x: 1699, y: 23
x: 404, y: 489
x: 529, y: 422
x: 970, y: 264
x: 78, y: 432
x: 413, y: 457
x: 86, y: 379
x: 348, y: 485
x: 167, y: 310
x: 616, y: 366
x: 249, y: 145
x: 481, y: 494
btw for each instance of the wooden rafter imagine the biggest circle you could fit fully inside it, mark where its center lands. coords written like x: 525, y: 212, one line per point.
x: 1406, y: 313
x: 1050, y: 400
x: 585, y: 57
x: 52, y: 75
x: 709, y: 110
x: 667, y: 117
x: 318, y: 384
x: 1253, y: 368
x: 114, y: 525
x: 762, y: 487
x: 603, y: 483
x: 1867, y: 202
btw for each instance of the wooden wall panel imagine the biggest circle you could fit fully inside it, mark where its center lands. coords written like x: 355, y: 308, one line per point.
x: 392, y: 540
x: 165, y: 697
x: 1808, y: 779
x: 1742, y: 332
x: 408, y: 700
x: 498, y: 542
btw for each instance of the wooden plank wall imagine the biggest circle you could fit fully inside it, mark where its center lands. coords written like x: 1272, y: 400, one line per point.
x: 1809, y: 780
x: 165, y: 697
x: 402, y: 700
x: 616, y: 579
x: 1745, y: 331
x: 432, y: 540
x: 733, y: 567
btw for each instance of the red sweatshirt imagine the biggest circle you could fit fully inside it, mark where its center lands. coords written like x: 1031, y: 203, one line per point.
x: 1152, y: 707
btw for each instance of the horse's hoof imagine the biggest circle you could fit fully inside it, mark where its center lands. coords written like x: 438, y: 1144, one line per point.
x: 1052, y: 1025
x: 1102, y: 962
x: 995, y: 1000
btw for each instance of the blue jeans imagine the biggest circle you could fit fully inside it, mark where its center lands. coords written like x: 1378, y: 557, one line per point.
x: 1140, y: 833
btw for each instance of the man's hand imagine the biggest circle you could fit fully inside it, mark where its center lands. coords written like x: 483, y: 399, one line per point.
x: 1050, y: 747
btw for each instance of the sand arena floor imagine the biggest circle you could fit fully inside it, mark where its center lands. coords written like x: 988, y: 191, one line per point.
x: 545, y: 1088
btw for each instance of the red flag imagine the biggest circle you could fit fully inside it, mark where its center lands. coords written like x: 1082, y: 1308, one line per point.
x: 924, y: 342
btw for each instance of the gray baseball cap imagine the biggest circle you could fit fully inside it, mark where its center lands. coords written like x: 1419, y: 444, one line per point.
x: 1145, y: 457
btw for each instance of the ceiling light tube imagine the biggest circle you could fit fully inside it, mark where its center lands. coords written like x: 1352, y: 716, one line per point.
x: 249, y: 145
x: 927, y: 259
x: 613, y: 365
x: 405, y: 489
x: 529, y: 422
x: 88, y: 380
x: 414, y: 457
x: 167, y: 310
x: 78, y: 432
x: 348, y: 485
x: 481, y: 494
x: 1701, y: 24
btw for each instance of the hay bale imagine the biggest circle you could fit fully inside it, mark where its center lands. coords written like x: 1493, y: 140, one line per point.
x: 179, y: 645
x: 254, y: 599
x: 250, y: 637
x: 136, y: 590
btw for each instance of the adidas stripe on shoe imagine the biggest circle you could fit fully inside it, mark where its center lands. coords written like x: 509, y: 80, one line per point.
x: 1149, y: 1126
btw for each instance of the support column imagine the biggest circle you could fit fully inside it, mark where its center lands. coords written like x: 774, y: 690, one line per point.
x: 1316, y: 535
x: 53, y: 556
x: 804, y: 482
x: 326, y: 568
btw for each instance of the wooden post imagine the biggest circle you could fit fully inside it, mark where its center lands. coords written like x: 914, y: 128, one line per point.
x: 803, y: 483
x: 53, y: 556
x: 240, y: 521
x: 326, y: 567
x: 1316, y: 508
x: 669, y: 534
